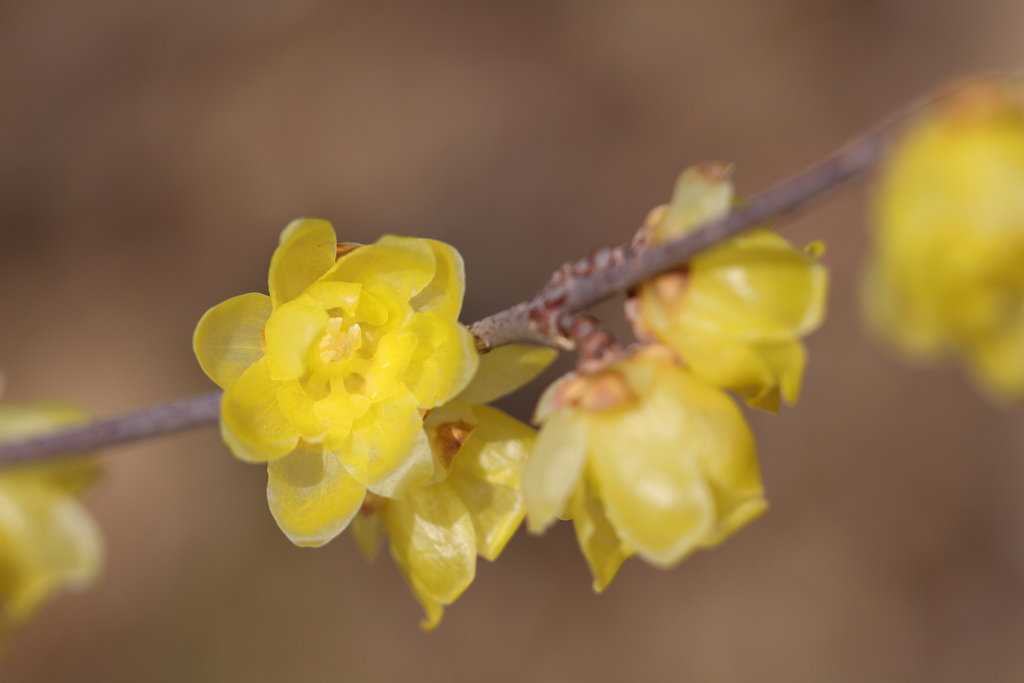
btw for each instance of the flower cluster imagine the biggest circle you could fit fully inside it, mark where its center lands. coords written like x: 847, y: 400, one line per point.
x: 645, y: 452
x: 355, y: 383
x: 48, y: 541
x: 946, y: 274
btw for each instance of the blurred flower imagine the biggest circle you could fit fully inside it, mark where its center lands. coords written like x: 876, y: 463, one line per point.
x: 738, y: 311
x: 645, y: 458
x: 329, y: 377
x: 48, y: 541
x: 474, y: 503
x: 946, y: 273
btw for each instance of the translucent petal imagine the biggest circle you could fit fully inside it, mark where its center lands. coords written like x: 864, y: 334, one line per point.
x: 368, y: 532
x: 387, y: 449
x: 251, y: 421
x: 229, y: 337
x: 292, y: 331
x: 504, y: 370
x: 400, y: 265
x: 343, y: 295
x: 487, y: 475
x: 49, y: 543
x: 444, y: 360
x: 311, y: 495
x: 391, y: 360
x: 554, y: 467
x: 599, y: 543
x: 299, y: 409
x: 702, y: 193
x: 445, y: 291
x: 434, y: 544
x: 306, y: 252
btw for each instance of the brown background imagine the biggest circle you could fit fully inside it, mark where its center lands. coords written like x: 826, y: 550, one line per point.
x: 150, y: 152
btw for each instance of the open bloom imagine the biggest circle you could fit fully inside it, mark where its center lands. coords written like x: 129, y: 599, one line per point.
x: 48, y: 541
x: 329, y: 377
x: 645, y: 458
x: 738, y: 311
x: 946, y: 274
x: 474, y: 502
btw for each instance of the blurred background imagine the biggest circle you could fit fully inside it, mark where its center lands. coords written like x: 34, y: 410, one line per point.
x: 151, y: 152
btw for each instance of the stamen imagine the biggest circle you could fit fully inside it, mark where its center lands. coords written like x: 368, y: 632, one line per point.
x: 337, y: 345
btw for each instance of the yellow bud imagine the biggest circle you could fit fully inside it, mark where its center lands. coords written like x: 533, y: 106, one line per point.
x: 737, y: 312
x: 946, y: 273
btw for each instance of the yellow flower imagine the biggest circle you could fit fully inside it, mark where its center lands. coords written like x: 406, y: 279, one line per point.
x: 644, y: 458
x: 737, y: 313
x: 329, y: 377
x: 947, y: 269
x: 48, y: 541
x: 474, y: 503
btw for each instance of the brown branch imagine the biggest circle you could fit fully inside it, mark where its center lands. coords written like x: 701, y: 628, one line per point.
x: 547, y: 318
x: 578, y: 286
x: 167, y: 418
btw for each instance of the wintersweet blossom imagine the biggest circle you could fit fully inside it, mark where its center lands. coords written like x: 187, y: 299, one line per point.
x: 474, y: 503
x: 328, y: 378
x: 738, y: 311
x: 946, y: 274
x: 645, y: 458
x: 48, y: 541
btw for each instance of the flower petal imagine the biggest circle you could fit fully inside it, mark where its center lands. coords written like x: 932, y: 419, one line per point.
x: 702, y: 193
x: 445, y: 291
x: 311, y: 495
x: 444, y: 360
x: 252, y: 423
x: 554, y: 467
x: 504, y: 370
x: 229, y: 337
x: 603, y: 549
x: 50, y: 543
x: 307, y: 250
x: 387, y: 449
x: 487, y: 475
x: 403, y: 265
x: 291, y: 332
x: 434, y: 544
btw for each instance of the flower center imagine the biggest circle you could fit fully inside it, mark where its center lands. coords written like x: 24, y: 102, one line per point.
x: 338, y: 345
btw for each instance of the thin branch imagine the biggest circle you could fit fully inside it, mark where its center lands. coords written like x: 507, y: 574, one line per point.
x: 546, y: 318
x: 578, y: 286
x: 197, y: 411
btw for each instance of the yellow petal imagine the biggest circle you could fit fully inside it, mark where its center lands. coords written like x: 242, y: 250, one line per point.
x: 401, y: 265
x: 702, y: 194
x: 487, y: 475
x: 554, y: 467
x: 443, y: 362
x: 311, y: 495
x: 251, y: 421
x: 600, y: 545
x: 434, y: 544
x: 49, y: 542
x: 368, y: 532
x: 445, y: 291
x: 504, y: 370
x: 306, y: 252
x: 293, y: 331
x: 229, y: 337
x: 387, y: 449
